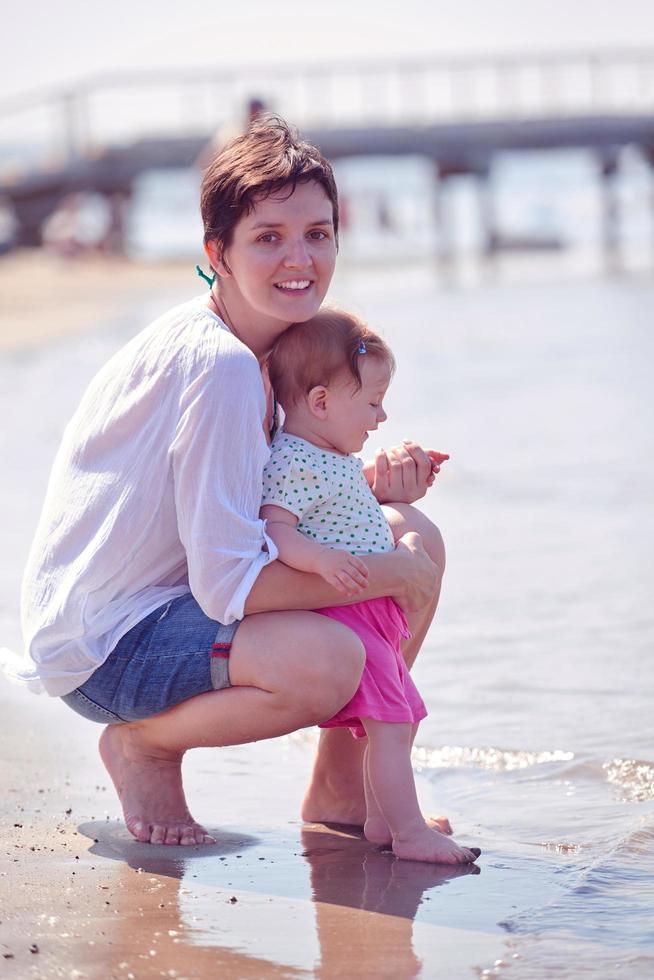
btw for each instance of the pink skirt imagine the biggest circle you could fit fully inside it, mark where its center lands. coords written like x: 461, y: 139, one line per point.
x: 386, y: 691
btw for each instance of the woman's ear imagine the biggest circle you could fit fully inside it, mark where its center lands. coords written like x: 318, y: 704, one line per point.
x: 215, y: 254
x: 318, y: 401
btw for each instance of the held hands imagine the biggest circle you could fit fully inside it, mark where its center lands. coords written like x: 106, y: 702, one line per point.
x: 344, y: 571
x: 403, y: 473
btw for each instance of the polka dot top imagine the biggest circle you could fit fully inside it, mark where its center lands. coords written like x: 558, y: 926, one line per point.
x: 329, y: 495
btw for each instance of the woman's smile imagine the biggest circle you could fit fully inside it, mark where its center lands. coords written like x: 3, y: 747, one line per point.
x: 294, y: 285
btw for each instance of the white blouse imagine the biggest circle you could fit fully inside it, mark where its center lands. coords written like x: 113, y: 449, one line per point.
x: 155, y: 492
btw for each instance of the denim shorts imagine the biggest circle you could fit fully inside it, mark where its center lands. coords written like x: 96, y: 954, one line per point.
x: 173, y: 654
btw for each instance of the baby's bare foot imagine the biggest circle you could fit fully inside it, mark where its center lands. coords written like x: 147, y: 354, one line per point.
x: 425, y: 844
x: 377, y: 831
x: 150, y: 790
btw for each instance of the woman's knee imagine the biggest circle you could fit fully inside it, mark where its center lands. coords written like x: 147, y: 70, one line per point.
x: 404, y: 518
x: 330, y: 675
x: 310, y: 662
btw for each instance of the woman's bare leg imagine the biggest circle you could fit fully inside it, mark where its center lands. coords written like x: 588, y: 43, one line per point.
x: 288, y: 670
x: 394, y: 799
x: 336, y: 791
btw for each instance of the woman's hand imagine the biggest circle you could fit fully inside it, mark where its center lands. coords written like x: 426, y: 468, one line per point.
x: 344, y: 571
x: 403, y: 473
x: 418, y: 575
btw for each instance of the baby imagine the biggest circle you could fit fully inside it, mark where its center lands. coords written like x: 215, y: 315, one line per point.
x: 330, y: 375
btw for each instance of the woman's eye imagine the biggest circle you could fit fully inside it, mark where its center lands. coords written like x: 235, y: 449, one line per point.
x: 268, y: 237
x: 318, y: 236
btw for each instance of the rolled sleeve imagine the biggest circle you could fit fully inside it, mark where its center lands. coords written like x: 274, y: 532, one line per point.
x: 219, y: 453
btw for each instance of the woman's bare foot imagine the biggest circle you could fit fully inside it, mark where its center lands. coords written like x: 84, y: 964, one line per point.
x: 345, y: 803
x: 322, y: 806
x: 424, y: 844
x: 150, y: 790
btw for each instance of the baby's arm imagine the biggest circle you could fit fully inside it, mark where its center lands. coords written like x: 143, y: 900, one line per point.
x: 344, y: 571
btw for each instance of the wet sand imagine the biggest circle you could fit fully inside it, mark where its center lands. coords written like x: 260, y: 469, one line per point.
x: 273, y: 898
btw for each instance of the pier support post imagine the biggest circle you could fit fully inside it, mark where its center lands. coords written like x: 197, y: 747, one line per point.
x: 444, y: 243
x: 609, y: 168
x: 486, y: 208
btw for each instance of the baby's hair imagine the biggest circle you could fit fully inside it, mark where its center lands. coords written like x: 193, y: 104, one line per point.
x: 317, y: 351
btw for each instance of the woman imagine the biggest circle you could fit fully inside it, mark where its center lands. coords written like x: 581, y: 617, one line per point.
x: 152, y: 599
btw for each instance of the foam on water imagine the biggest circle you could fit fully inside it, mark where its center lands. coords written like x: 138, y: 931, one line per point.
x: 485, y: 757
x: 633, y: 779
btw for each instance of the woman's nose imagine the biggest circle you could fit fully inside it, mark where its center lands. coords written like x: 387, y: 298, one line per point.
x: 381, y: 416
x: 297, y: 255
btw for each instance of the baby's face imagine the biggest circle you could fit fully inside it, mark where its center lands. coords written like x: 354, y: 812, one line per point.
x: 353, y: 413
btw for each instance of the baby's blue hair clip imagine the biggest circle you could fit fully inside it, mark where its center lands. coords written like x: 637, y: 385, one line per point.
x: 362, y: 348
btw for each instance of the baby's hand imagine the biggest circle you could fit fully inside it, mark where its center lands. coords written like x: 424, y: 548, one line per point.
x: 344, y: 571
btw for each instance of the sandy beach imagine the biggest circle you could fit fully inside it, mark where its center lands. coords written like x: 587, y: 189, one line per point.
x: 537, y: 674
x: 44, y: 298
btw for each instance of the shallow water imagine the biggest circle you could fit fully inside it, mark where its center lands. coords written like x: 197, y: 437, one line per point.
x: 538, y: 673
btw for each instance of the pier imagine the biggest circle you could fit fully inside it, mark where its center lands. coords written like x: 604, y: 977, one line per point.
x: 460, y: 113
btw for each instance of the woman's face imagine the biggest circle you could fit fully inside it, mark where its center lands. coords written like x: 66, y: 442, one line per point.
x: 281, y: 259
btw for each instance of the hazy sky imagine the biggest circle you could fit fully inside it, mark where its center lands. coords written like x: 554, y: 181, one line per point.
x: 45, y: 42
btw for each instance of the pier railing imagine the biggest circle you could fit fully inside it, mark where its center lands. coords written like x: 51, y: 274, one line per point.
x: 117, y: 108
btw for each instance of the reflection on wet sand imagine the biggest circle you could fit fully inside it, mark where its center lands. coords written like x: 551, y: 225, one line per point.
x: 246, y: 907
x: 348, y: 876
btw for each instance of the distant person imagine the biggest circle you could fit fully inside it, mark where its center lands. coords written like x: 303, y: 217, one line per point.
x: 153, y: 600
x: 229, y: 131
x: 330, y: 374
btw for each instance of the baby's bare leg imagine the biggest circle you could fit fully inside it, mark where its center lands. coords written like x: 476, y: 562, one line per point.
x: 336, y: 791
x: 284, y: 677
x: 394, y: 793
x: 375, y: 828
x: 400, y: 517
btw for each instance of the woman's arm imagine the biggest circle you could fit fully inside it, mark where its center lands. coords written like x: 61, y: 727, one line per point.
x: 407, y: 574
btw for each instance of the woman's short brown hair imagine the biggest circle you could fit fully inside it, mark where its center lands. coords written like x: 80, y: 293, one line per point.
x: 269, y: 157
x: 319, y: 350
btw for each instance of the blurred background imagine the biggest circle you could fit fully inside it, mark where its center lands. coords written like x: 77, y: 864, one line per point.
x: 470, y: 129
x: 495, y: 162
